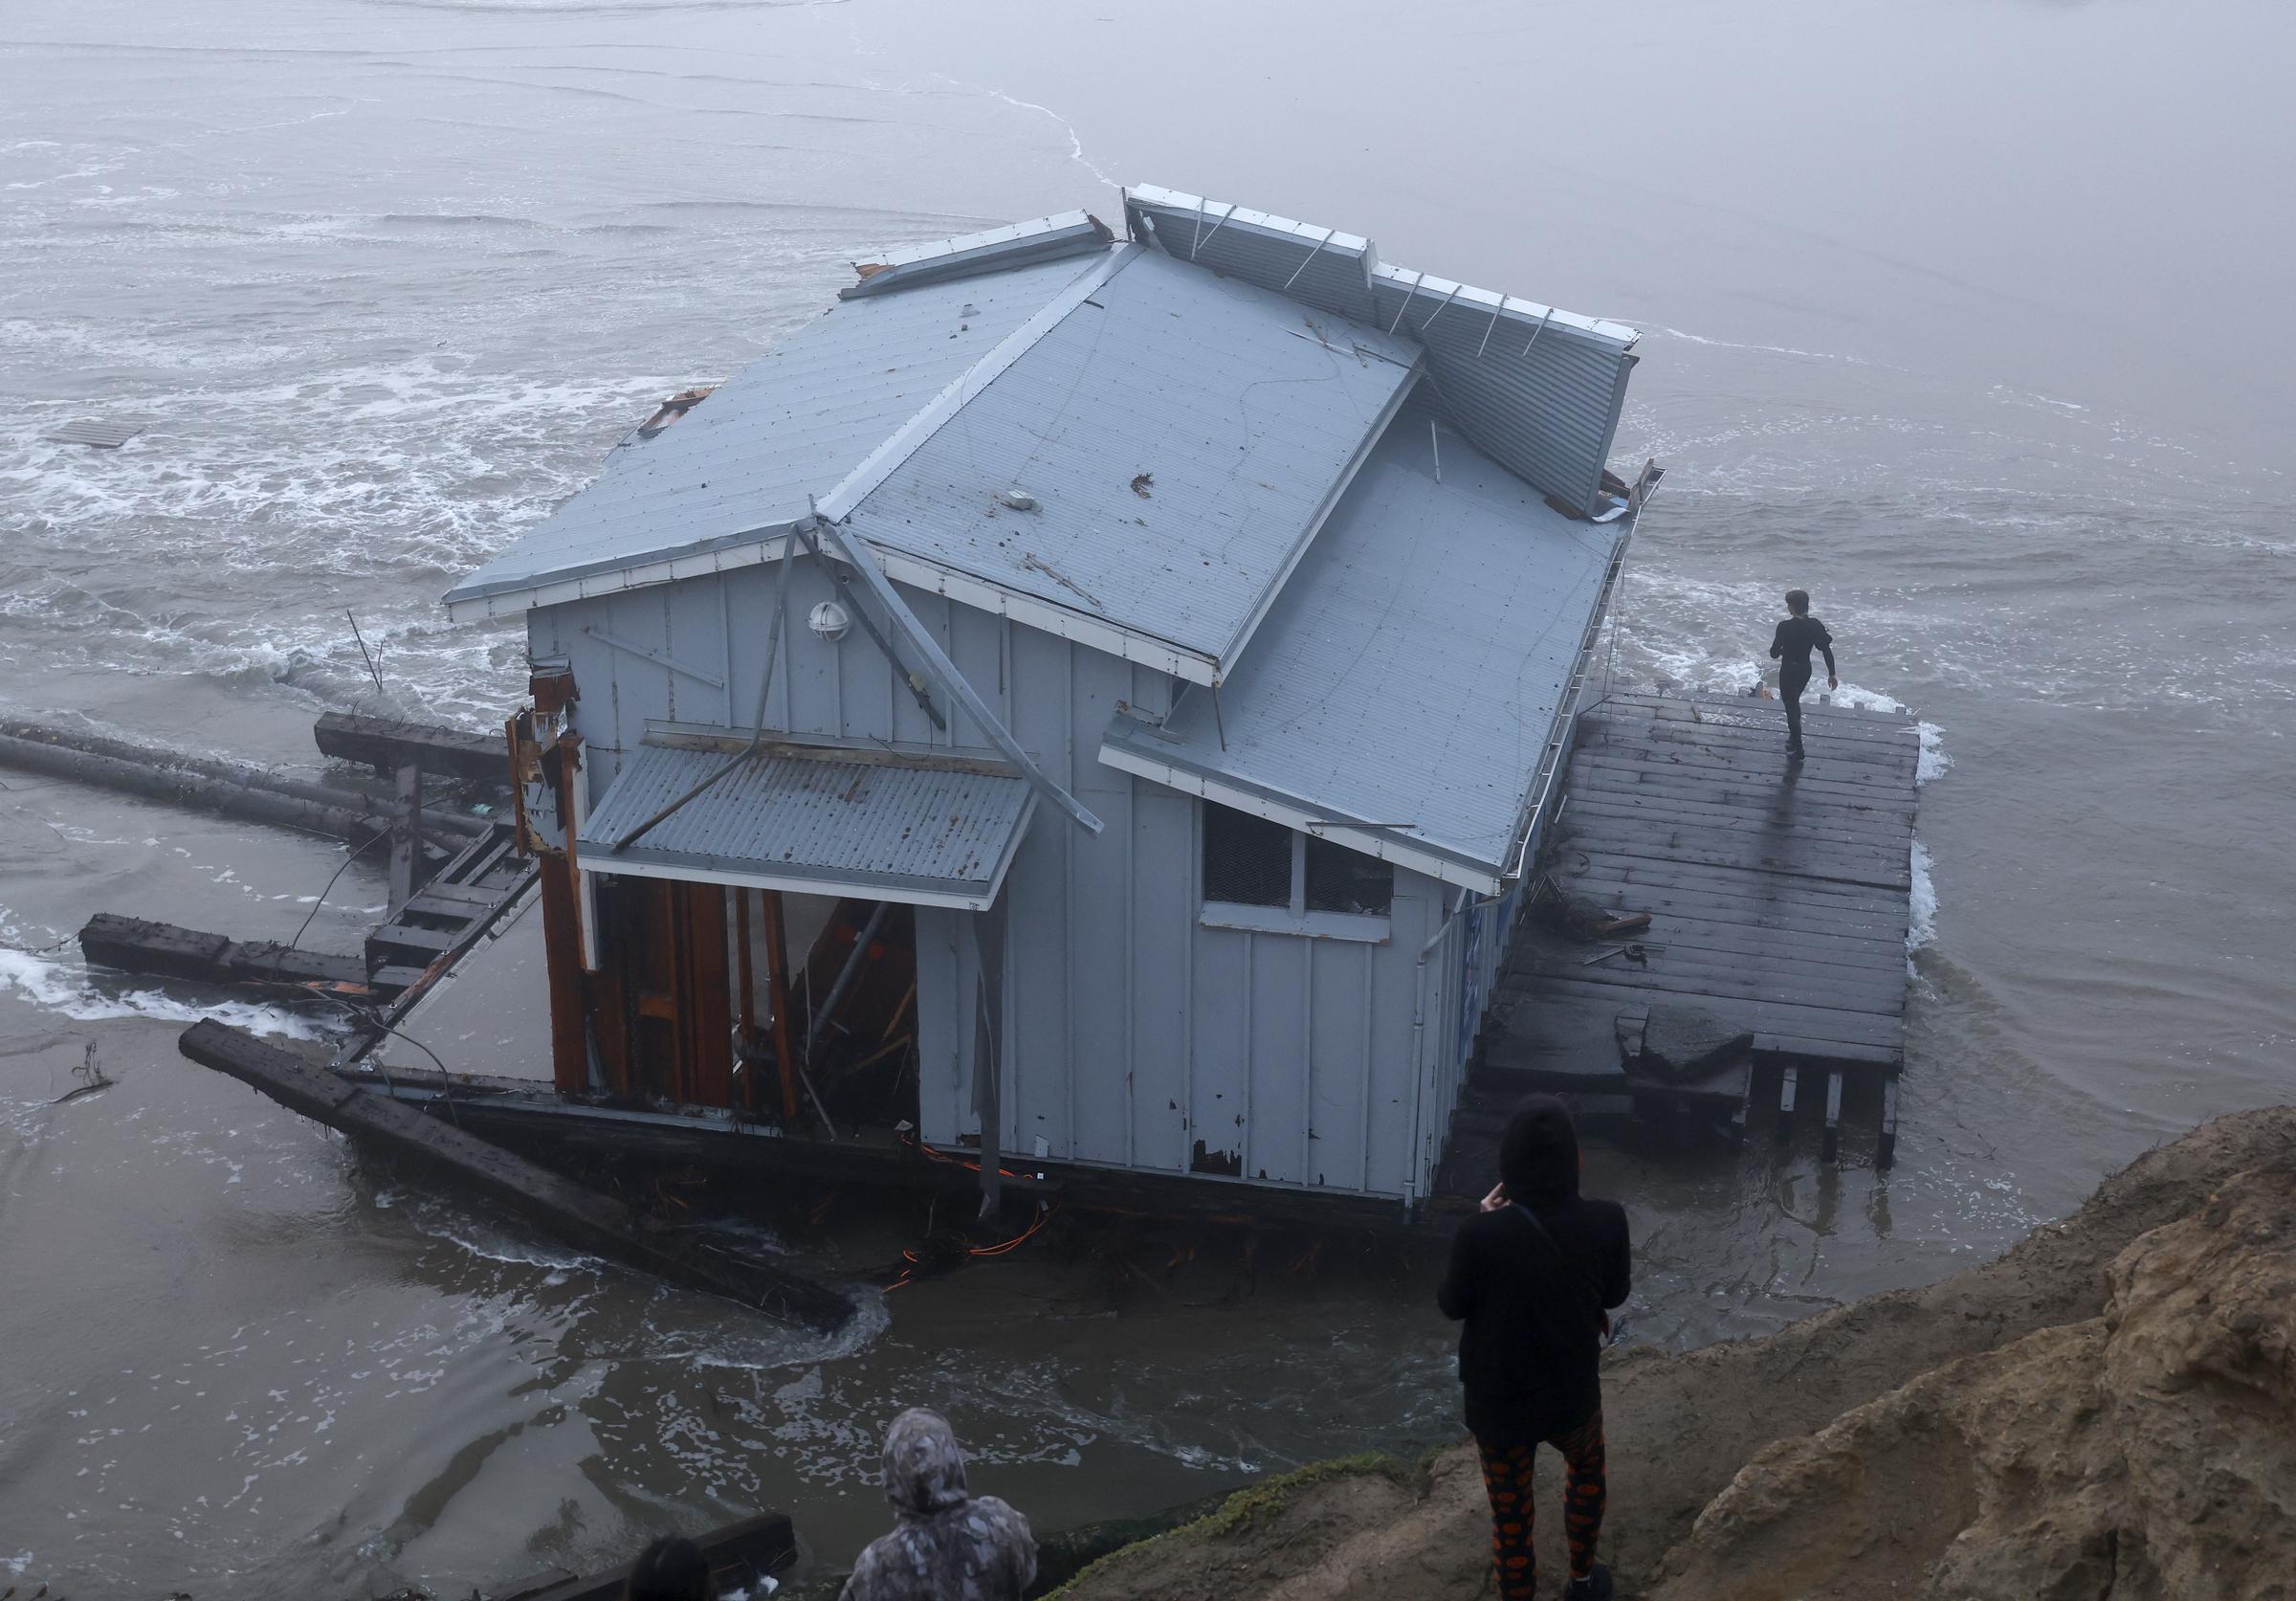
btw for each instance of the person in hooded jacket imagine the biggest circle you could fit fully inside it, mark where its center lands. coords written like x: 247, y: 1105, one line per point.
x: 1532, y: 1278
x: 946, y: 1545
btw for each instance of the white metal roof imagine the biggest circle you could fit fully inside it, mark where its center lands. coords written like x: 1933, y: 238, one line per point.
x: 741, y: 465
x: 1182, y: 437
x: 1401, y: 696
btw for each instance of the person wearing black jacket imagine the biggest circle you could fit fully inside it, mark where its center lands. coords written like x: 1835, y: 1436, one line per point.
x: 1532, y: 1278
x: 1790, y: 647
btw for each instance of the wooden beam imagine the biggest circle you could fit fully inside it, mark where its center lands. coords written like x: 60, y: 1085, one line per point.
x: 406, y: 835
x: 777, y: 982
x: 579, y: 1217
x: 384, y: 743
x: 1831, y: 1150
x: 745, y: 1000
x: 163, y: 951
x: 1885, y: 1154
x: 563, y: 957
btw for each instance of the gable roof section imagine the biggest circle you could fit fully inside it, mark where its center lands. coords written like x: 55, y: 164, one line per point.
x: 1537, y: 390
x: 1183, y: 437
x: 1404, y: 689
x: 739, y: 469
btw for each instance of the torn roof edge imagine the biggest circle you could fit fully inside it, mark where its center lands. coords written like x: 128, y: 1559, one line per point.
x: 973, y: 254
x: 1220, y: 213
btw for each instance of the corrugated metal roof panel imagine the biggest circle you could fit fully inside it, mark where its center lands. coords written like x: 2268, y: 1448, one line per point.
x: 1183, y: 437
x: 1325, y: 267
x: 1540, y: 389
x: 790, y: 425
x: 1410, y: 676
x: 927, y: 833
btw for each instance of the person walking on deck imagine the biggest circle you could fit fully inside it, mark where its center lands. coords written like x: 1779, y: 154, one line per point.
x: 1796, y: 637
x: 1532, y: 1278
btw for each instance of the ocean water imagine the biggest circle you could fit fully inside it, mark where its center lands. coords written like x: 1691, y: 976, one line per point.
x: 1968, y: 317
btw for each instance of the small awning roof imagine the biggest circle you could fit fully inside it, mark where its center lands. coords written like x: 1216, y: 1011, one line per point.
x: 925, y: 829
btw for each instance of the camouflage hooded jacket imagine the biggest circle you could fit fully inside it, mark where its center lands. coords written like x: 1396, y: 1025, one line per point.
x: 945, y: 1546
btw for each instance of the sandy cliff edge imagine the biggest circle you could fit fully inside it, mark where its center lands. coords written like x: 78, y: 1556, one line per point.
x: 2074, y: 1415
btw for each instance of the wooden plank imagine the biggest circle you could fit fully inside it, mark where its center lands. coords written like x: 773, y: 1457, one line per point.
x: 1634, y: 882
x: 1854, y: 870
x: 384, y: 743
x: 1755, y: 948
x: 580, y: 1218
x: 1873, y: 945
x: 1885, y: 1153
x: 1722, y: 850
x: 1818, y: 1024
x: 1831, y: 1150
x: 1743, y: 797
x: 1725, y: 980
x: 1711, y: 723
x: 1708, y: 765
x: 1605, y: 818
x: 163, y: 950
x: 1788, y: 1083
x: 1762, y: 714
x: 1850, y: 762
x: 406, y: 835
x: 1794, y: 1045
x: 1740, y: 804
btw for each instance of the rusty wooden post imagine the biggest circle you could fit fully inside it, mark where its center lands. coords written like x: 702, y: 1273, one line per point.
x: 406, y: 835
x: 777, y: 982
x: 745, y: 1023
x: 562, y: 929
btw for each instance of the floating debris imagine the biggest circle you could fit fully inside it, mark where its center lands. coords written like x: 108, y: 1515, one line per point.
x: 103, y: 435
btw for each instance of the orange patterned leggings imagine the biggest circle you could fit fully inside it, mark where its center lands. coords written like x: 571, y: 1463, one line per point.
x: 1507, y: 1477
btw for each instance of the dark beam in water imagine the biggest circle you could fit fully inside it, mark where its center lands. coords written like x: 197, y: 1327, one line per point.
x: 207, y: 784
x: 162, y: 949
x: 579, y: 1217
x: 386, y: 744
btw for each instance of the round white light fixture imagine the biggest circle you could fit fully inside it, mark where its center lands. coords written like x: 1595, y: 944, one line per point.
x: 830, y: 620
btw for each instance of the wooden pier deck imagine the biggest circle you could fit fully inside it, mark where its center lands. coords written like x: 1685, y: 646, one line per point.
x: 1780, y: 899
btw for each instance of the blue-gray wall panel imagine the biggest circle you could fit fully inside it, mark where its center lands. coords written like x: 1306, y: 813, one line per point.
x: 1161, y: 939
x: 1132, y: 1031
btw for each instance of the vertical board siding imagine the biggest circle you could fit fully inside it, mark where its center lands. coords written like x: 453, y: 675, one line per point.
x: 1218, y: 1024
x: 1132, y: 1031
x: 1036, y: 901
x: 1163, y: 922
x: 1276, y: 1063
x: 1101, y: 933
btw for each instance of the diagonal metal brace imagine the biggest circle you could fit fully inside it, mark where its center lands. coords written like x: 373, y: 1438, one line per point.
x: 914, y: 681
x: 944, y: 672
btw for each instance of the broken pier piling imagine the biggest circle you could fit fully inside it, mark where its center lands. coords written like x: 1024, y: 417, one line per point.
x: 579, y: 1217
x: 210, y: 783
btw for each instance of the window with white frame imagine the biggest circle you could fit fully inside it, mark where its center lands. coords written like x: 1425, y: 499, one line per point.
x: 1262, y: 875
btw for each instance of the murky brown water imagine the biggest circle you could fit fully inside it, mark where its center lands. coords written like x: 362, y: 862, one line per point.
x: 1966, y: 317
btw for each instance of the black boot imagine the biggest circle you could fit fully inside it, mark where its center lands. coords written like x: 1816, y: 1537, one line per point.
x: 1595, y: 1586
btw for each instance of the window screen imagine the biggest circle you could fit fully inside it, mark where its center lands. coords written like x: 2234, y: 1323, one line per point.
x: 1246, y: 859
x: 1344, y: 881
